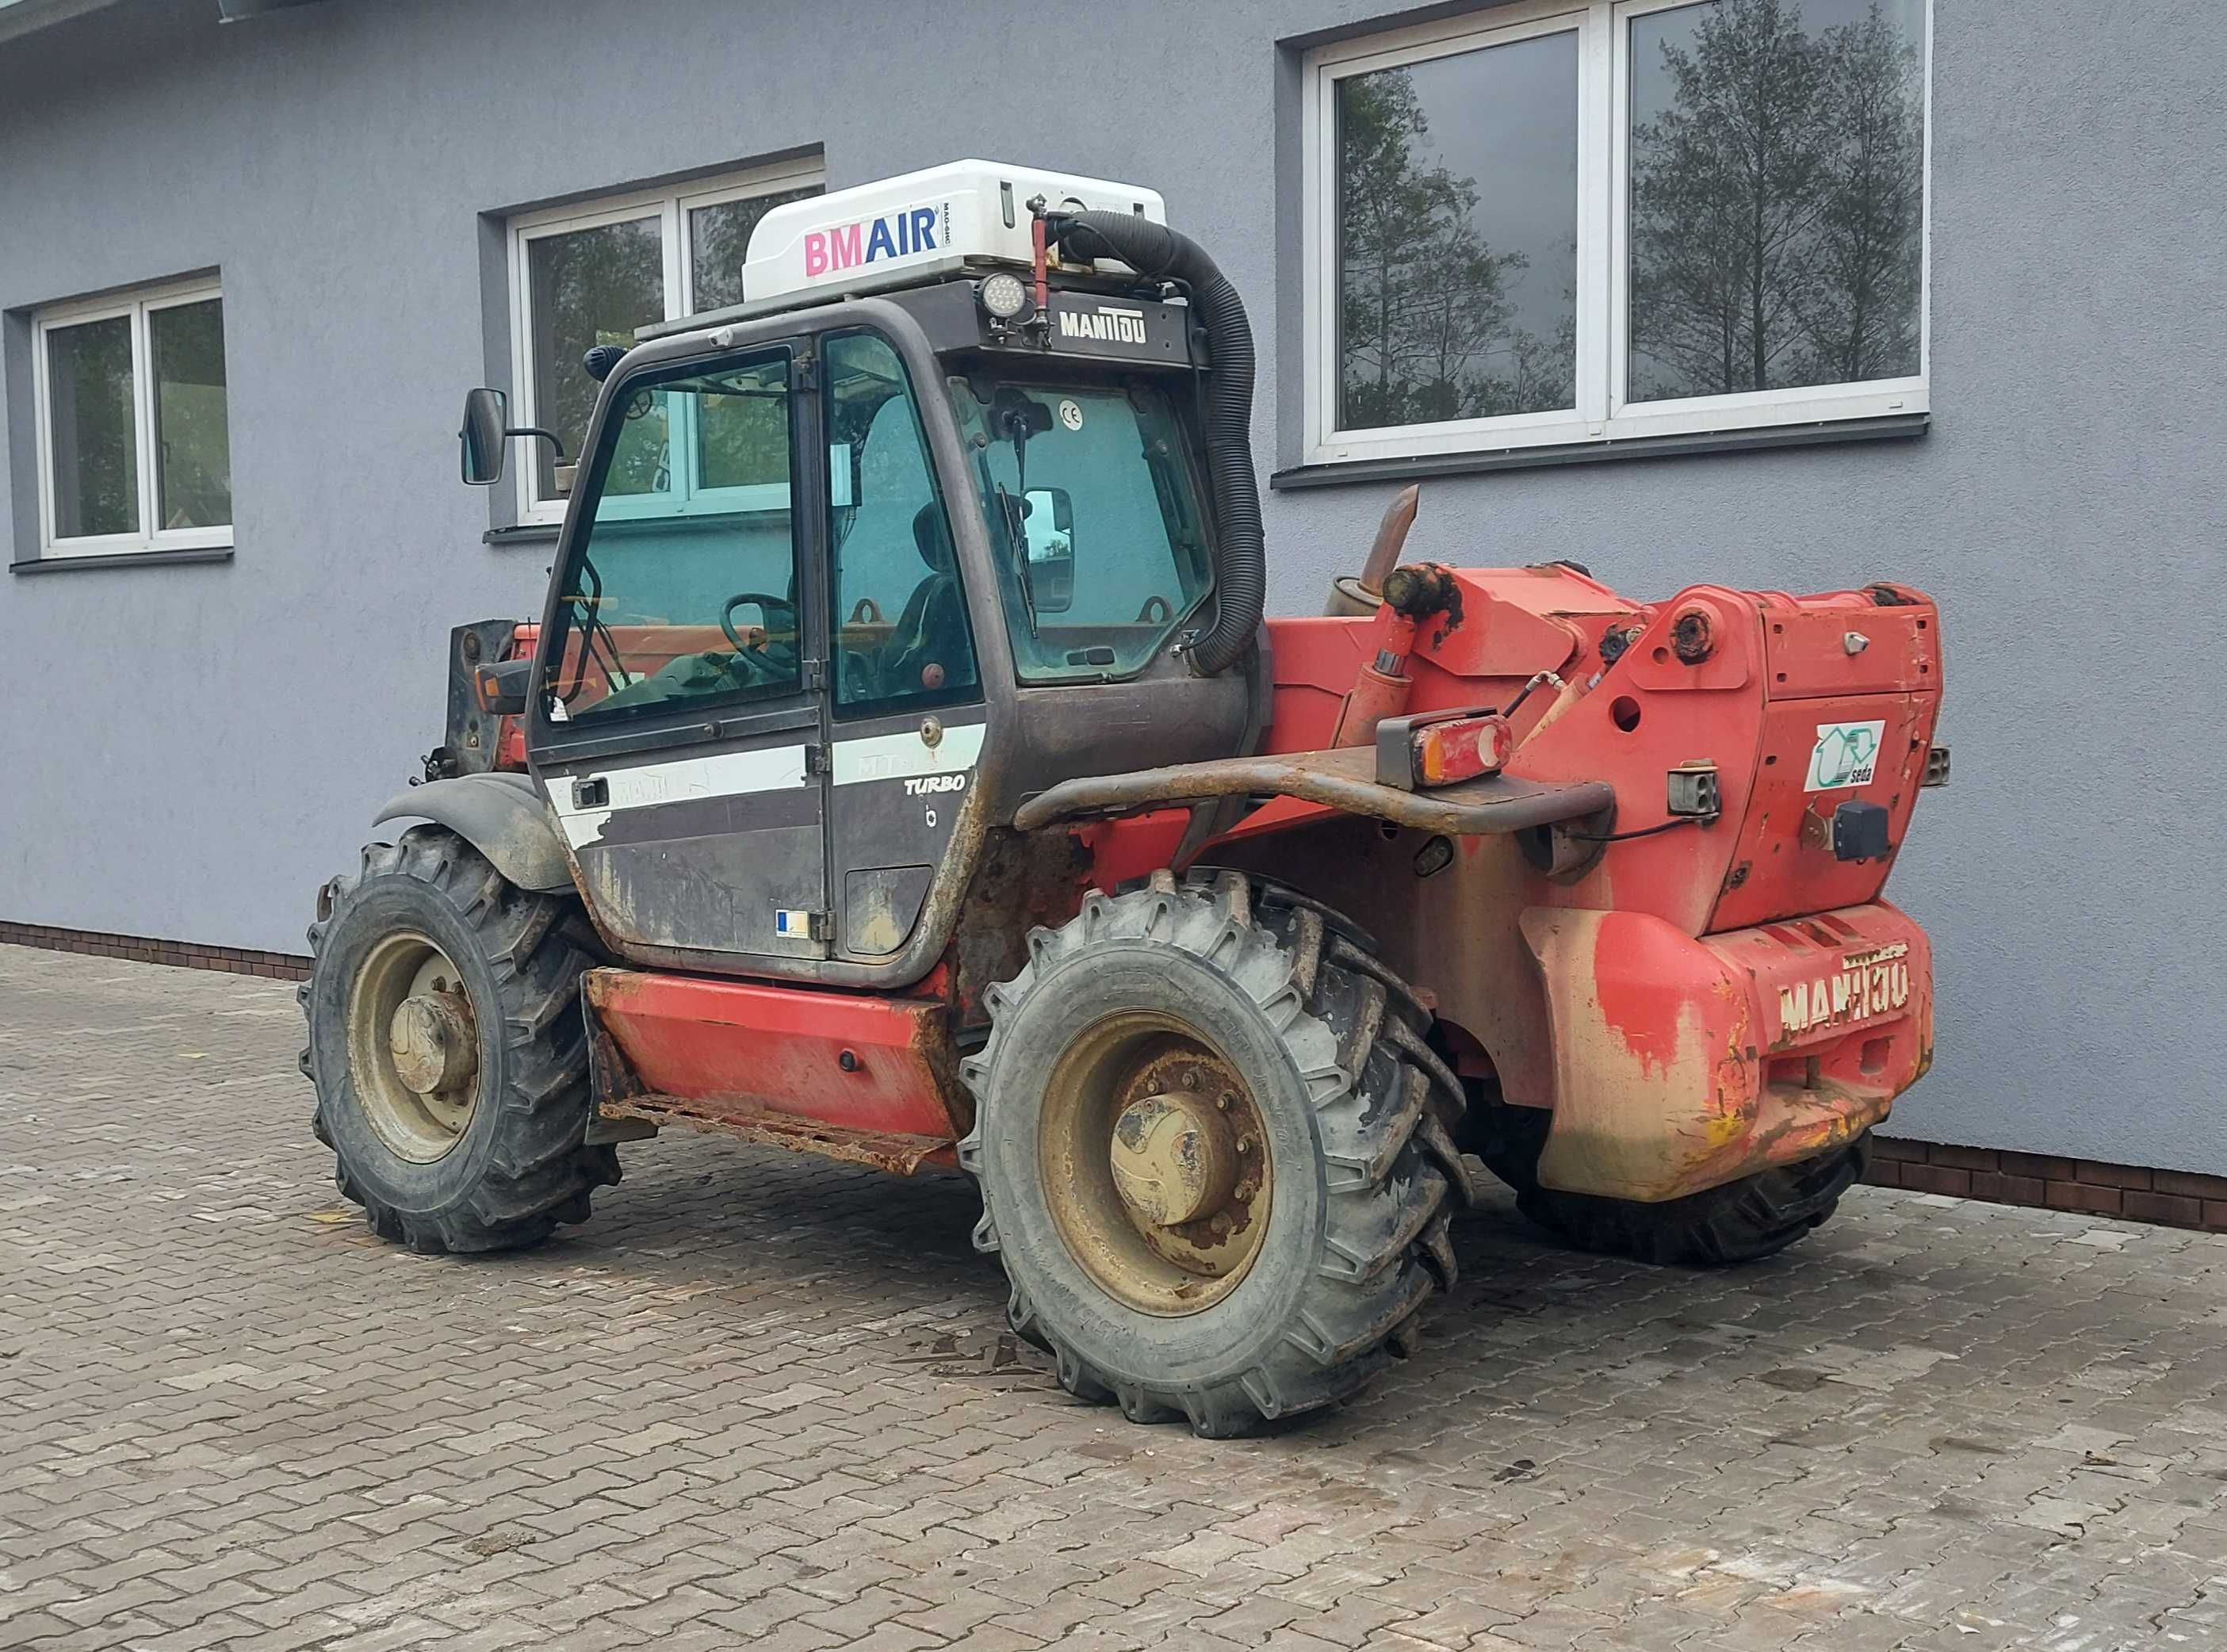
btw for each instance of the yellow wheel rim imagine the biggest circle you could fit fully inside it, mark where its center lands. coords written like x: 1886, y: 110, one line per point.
x: 413, y: 1047
x: 1154, y: 1164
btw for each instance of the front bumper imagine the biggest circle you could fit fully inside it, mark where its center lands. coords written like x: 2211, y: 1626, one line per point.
x: 1682, y: 1064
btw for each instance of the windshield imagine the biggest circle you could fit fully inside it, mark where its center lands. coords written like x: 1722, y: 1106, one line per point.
x: 1095, y: 518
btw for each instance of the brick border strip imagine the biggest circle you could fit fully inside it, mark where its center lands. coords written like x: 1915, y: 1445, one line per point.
x: 2170, y: 1198
x: 139, y: 949
x: 1998, y: 1176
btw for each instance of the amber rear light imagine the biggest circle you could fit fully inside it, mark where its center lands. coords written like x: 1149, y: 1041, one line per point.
x: 1462, y: 748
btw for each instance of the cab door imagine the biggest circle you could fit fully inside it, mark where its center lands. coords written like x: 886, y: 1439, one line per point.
x: 676, y: 726
x: 907, y: 715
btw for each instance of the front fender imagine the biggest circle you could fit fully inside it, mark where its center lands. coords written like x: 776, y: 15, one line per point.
x: 501, y: 814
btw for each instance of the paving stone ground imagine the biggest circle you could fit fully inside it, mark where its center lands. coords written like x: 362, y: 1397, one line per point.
x: 765, y: 1401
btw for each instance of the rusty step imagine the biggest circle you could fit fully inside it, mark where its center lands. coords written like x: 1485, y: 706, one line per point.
x: 750, y: 1121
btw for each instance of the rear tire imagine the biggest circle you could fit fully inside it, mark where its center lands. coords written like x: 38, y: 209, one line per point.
x: 1326, y: 1052
x: 499, y: 1161
x: 1746, y: 1220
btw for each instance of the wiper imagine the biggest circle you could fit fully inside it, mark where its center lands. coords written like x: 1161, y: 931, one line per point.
x: 1016, y: 550
x: 1018, y: 416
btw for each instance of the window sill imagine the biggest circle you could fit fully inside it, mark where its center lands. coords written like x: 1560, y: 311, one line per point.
x: 521, y: 534
x: 1889, y: 428
x: 65, y: 564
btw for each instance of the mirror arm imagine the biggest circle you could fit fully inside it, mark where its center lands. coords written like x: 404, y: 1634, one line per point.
x: 549, y: 437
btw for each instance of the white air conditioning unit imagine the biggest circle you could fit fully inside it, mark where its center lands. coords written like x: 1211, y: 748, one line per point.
x: 920, y: 226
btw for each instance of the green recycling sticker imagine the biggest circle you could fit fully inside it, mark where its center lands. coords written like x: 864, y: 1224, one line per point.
x: 1846, y: 754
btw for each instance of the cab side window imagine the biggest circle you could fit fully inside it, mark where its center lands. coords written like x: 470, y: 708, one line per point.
x: 682, y: 584
x: 899, y: 620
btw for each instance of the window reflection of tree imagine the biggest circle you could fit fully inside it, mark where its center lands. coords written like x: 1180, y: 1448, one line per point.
x: 719, y: 242
x: 1777, y: 183
x: 594, y: 286
x: 1426, y: 317
x: 1775, y: 202
x: 96, y: 458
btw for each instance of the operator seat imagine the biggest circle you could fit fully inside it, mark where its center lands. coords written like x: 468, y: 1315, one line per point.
x: 932, y: 630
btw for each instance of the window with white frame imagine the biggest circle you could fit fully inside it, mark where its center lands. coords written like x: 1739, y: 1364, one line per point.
x: 591, y: 274
x: 134, y: 450
x: 1597, y: 220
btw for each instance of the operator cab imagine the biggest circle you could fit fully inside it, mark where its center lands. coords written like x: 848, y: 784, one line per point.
x: 835, y: 558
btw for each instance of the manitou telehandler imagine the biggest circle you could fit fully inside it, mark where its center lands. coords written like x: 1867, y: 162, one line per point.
x: 902, y: 771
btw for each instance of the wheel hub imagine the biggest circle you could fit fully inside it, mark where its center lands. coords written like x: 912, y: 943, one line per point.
x: 431, y: 1040
x: 1175, y: 1158
x: 413, y: 1047
x: 1155, y: 1164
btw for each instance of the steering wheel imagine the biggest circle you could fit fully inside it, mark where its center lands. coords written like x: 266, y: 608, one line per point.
x: 767, y: 604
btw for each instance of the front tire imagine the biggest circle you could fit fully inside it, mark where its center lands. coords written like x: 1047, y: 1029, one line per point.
x: 1757, y: 1216
x: 1215, y: 1153
x: 447, y: 1049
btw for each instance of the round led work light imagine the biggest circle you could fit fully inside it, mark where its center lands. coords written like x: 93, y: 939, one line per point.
x: 1005, y: 296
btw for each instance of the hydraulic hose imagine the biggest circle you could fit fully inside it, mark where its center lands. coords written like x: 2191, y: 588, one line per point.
x: 1240, y: 573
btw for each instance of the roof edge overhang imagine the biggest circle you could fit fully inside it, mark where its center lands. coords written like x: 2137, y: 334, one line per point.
x: 23, y: 16
x: 19, y: 17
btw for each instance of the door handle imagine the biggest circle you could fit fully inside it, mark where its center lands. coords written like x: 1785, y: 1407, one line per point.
x: 594, y: 792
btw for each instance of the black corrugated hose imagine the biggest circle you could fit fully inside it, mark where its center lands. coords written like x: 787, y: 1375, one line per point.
x: 1159, y: 253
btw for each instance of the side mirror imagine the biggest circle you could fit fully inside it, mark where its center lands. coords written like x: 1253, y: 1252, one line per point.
x: 487, y: 412
x: 1048, y: 531
x: 487, y: 427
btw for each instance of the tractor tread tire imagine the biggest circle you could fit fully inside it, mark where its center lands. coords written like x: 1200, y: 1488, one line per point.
x: 537, y: 1172
x: 1382, y: 1248
x: 1746, y: 1221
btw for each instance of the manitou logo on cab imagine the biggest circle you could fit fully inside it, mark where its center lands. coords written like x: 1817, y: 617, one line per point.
x: 898, y: 234
x: 1106, y: 324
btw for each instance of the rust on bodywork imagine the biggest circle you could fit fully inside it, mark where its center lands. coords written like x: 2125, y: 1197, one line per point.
x: 612, y: 1081
x: 900, y: 1155
x: 1681, y: 1063
x: 1420, y: 590
x: 1692, y: 637
x: 1021, y: 882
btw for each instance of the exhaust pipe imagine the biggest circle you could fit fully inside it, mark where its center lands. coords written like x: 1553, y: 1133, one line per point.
x: 1352, y: 596
x: 1159, y: 253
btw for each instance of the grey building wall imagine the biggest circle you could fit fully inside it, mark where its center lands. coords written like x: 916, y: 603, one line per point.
x: 190, y: 751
